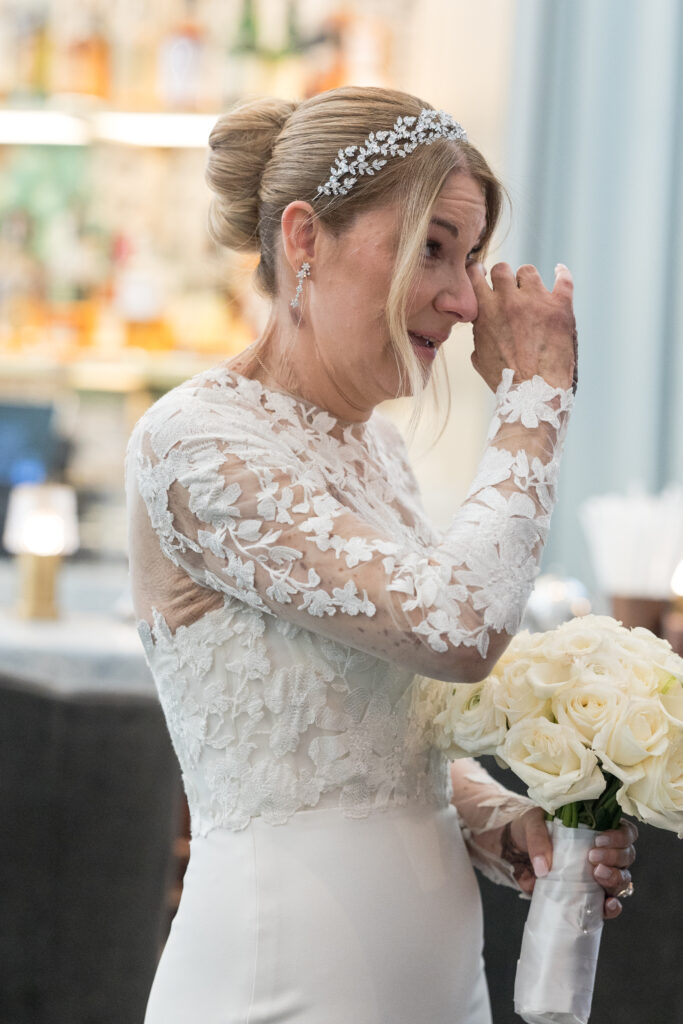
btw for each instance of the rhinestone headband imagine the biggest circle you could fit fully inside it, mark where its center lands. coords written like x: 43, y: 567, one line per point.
x: 404, y: 137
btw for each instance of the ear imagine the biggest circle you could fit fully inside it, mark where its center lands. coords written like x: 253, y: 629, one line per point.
x: 300, y: 229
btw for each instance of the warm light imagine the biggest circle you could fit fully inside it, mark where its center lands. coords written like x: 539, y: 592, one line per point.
x: 44, y: 533
x: 677, y: 579
x: 47, y: 127
x: 143, y: 129
x: 41, y: 520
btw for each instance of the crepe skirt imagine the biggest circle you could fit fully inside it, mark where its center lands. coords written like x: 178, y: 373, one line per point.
x: 327, y: 920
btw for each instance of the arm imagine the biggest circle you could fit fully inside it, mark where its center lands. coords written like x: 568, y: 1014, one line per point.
x: 240, y: 506
x: 486, y: 810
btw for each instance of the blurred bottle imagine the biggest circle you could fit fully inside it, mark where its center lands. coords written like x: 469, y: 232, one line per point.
x: 85, y: 68
x: 135, y: 56
x: 22, y: 281
x: 139, y: 295
x: 242, y: 73
x: 327, y: 63
x: 77, y: 266
x: 7, y: 50
x: 28, y: 29
x: 180, y: 59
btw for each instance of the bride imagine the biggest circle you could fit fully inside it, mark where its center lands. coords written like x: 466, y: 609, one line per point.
x: 290, y: 590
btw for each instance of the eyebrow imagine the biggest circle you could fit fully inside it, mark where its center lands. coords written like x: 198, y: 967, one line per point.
x: 452, y: 228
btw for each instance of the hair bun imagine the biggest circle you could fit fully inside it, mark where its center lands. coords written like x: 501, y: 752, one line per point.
x: 241, y: 142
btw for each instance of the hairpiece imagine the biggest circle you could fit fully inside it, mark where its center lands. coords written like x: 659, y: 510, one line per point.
x: 404, y: 137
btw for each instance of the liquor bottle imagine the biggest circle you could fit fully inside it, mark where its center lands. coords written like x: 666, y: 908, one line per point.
x: 33, y: 51
x: 180, y: 62
x: 89, y: 54
x: 243, y: 66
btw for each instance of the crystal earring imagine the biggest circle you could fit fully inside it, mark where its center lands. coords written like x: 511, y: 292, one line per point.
x: 301, y: 274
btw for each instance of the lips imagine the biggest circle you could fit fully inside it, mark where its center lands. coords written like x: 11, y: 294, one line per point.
x: 427, y: 344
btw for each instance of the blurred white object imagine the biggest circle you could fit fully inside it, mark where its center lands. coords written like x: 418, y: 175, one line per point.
x: 41, y: 520
x: 635, y: 540
x: 554, y: 600
x: 40, y: 527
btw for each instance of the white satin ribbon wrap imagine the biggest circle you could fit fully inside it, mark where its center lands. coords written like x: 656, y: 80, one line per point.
x: 559, y: 955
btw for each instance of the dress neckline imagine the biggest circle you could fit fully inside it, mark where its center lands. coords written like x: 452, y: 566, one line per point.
x: 310, y: 407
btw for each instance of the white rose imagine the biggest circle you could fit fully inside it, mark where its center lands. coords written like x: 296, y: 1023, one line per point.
x: 580, y: 638
x: 513, y: 695
x: 547, y: 677
x: 671, y: 699
x: 587, y: 708
x: 602, y: 623
x: 603, y: 667
x: 640, y: 730
x: 554, y: 763
x: 470, y: 723
x: 526, y: 642
x: 657, y: 797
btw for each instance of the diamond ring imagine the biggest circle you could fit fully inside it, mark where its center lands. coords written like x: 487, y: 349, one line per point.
x: 626, y: 891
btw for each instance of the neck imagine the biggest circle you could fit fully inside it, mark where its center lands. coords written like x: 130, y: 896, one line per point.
x: 286, y: 357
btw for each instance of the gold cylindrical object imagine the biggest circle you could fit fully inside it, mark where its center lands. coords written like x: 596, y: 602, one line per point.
x: 38, y: 586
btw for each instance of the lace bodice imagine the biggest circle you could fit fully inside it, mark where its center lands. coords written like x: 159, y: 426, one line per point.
x: 289, y: 589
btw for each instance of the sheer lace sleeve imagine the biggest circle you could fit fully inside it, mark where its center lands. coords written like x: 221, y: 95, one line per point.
x: 484, y: 808
x: 246, y: 504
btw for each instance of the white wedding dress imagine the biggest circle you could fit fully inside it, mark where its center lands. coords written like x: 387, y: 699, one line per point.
x: 290, y: 593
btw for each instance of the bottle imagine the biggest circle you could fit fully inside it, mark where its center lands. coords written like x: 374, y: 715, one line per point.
x: 89, y: 54
x: 243, y: 71
x: 33, y: 51
x: 180, y: 63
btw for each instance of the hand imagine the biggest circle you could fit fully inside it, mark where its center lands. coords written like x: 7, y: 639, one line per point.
x: 522, y: 325
x: 617, y: 855
x: 531, y: 853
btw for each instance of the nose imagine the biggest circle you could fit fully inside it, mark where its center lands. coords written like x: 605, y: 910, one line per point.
x: 458, y: 299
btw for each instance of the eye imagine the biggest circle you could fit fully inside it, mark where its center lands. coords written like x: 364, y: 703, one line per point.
x: 433, y: 248
x: 472, y: 255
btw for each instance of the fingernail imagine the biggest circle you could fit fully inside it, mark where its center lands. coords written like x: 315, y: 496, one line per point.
x: 540, y: 866
x: 602, y: 841
x: 612, y: 904
x: 594, y: 856
x: 559, y: 267
x: 602, y: 871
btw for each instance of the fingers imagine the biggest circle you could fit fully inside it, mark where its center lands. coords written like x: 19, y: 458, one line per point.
x: 612, y: 908
x: 528, y: 276
x: 538, y: 842
x: 616, y: 857
x: 564, y: 282
x: 625, y: 835
x: 612, y: 880
x: 477, y: 274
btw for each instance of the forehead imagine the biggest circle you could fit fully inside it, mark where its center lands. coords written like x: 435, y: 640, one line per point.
x: 461, y: 201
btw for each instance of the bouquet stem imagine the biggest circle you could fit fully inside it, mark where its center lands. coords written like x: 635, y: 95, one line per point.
x: 599, y: 814
x: 557, y: 963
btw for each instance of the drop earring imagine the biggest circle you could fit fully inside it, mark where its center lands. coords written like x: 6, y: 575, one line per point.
x: 301, y: 274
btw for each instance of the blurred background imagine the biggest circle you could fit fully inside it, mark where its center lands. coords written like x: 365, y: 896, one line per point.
x: 111, y: 293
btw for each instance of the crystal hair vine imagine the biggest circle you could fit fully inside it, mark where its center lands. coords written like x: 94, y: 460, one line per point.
x: 407, y: 134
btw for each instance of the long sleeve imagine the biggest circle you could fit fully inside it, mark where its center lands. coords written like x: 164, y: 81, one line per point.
x: 249, y: 502
x: 484, y: 808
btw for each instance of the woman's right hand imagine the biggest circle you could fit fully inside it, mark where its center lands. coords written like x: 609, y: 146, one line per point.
x: 522, y: 325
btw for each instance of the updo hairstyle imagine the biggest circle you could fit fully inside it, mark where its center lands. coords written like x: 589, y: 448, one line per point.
x: 267, y: 153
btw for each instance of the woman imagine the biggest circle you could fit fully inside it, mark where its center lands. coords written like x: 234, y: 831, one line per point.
x: 289, y: 588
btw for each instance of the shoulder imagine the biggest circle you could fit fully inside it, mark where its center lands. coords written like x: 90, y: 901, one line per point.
x: 211, y: 403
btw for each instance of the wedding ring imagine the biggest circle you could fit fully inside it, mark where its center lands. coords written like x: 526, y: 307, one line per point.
x: 626, y: 891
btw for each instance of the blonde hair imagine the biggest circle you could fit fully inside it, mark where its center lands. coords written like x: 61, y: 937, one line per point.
x: 267, y: 153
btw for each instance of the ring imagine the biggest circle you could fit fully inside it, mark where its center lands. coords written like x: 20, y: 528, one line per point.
x: 626, y: 891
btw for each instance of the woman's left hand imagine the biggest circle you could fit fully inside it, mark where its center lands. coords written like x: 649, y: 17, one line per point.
x: 531, y: 852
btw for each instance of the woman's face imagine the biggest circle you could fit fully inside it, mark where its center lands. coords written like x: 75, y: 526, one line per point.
x: 351, y: 276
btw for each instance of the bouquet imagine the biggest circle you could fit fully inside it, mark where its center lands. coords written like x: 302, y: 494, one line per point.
x: 590, y: 716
